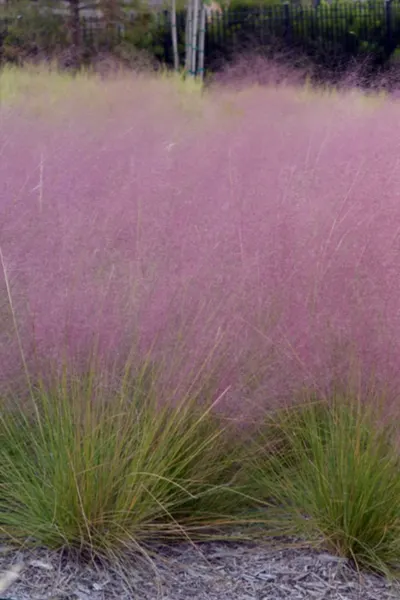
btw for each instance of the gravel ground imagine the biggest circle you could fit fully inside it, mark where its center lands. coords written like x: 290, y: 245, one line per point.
x: 209, y: 571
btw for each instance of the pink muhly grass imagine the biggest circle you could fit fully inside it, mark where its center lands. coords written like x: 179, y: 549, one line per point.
x: 255, y: 233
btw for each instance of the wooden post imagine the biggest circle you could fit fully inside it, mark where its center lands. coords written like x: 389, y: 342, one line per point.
x: 194, y: 36
x: 75, y: 31
x: 174, y: 36
x: 389, y: 26
x: 188, y: 35
x: 202, y: 36
x: 288, y: 25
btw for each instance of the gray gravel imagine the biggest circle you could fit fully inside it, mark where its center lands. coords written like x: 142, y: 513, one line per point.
x: 209, y: 571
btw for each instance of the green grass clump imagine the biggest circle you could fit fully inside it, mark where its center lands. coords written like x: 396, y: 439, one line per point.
x: 332, y: 475
x: 98, y: 466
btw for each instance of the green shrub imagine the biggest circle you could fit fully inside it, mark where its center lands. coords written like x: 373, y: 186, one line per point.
x: 147, y: 32
x: 32, y: 33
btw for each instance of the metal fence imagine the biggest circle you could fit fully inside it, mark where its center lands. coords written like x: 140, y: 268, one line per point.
x: 326, y: 32
x: 329, y: 32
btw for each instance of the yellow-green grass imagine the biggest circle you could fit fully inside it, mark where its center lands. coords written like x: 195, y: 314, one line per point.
x: 330, y: 472
x: 100, y: 465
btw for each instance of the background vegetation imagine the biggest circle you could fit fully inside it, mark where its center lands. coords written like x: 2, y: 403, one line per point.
x: 329, y: 36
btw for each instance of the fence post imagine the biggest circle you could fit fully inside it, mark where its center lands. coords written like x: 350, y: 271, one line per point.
x: 3, y: 31
x: 389, y: 26
x: 286, y: 20
x: 202, y: 37
x: 166, y: 34
x: 174, y: 34
x: 188, y: 36
x: 195, y: 34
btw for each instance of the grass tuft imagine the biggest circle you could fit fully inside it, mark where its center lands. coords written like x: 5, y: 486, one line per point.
x: 97, y: 467
x: 332, y: 474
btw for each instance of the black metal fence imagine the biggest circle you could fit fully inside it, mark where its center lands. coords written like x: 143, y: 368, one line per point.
x: 328, y: 33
